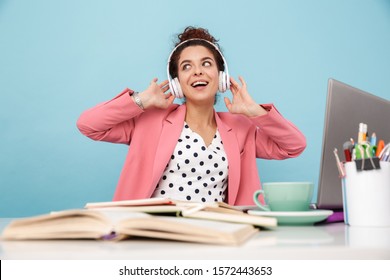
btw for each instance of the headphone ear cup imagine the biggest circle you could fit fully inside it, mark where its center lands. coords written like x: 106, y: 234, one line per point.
x: 227, y: 77
x: 178, y: 92
x: 224, y: 83
x: 172, y: 87
x: 220, y: 81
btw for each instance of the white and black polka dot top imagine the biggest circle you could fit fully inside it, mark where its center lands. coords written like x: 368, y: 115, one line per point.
x: 195, y: 172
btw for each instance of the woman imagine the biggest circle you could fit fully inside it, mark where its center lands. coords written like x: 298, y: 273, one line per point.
x: 189, y: 151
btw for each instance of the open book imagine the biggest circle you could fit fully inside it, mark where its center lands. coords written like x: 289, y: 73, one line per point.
x: 121, y: 223
x: 218, y: 211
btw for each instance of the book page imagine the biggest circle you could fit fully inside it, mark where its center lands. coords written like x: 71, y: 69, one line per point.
x: 233, y: 218
x: 187, y: 229
x: 183, y: 225
x: 134, y: 202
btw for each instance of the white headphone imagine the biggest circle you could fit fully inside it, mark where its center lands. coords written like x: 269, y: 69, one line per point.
x: 174, y: 84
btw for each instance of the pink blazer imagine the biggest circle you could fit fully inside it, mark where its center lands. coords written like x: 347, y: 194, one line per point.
x: 152, y: 136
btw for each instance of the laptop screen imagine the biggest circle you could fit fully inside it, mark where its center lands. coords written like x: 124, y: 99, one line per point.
x: 346, y: 107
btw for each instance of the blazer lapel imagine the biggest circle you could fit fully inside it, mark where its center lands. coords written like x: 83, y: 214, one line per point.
x: 170, y: 133
x: 232, y: 150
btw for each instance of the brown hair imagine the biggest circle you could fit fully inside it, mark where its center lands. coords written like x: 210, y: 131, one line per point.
x: 191, y: 33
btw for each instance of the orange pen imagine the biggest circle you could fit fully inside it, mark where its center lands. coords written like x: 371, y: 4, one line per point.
x: 381, y: 145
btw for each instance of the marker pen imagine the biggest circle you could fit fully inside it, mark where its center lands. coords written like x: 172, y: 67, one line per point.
x: 347, y: 147
x: 386, y: 156
x: 362, y: 133
x: 381, y: 145
x: 373, y: 143
x: 373, y: 139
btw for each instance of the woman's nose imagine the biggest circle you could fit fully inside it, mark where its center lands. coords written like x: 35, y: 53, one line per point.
x: 198, y: 71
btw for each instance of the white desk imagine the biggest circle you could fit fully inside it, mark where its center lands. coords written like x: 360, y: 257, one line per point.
x: 333, y: 241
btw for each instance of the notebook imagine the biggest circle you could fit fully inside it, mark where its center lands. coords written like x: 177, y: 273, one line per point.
x: 346, y: 107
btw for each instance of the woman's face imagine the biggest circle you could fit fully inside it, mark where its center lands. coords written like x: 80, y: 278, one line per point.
x: 198, y: 74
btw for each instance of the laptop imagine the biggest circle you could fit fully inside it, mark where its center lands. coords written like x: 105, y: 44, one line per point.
x: 346, y: 107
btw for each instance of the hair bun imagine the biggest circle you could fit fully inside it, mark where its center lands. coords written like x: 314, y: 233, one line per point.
x: 196, y: 33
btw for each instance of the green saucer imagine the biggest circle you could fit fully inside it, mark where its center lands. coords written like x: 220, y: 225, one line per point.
x: 295, y: 218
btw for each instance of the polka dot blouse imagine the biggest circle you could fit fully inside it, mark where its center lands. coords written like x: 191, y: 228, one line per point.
x: 195, y: 172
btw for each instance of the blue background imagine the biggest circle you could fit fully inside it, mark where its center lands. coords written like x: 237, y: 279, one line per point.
x: 58, y: 58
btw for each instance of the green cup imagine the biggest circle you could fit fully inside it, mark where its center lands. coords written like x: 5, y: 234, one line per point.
x: 285, y: 196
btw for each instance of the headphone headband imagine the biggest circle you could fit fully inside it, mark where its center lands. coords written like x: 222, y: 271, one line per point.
x: 174, y: 85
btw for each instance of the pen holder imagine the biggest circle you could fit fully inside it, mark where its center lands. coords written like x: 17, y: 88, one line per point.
x: 366, y: 195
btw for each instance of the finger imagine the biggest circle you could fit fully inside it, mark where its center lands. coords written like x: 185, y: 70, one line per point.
x: 234, y: 82
x: 154, y: 80
x: 164, y: 88
x: 234, y: 86
x: 170, y: 99
x: 242, y: 81
x: 228, y: 103
x: 164, y: 83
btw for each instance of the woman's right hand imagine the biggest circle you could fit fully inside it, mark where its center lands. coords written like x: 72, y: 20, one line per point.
x: 156, y: 95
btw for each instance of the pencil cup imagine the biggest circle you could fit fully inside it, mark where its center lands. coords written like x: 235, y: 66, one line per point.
x: 366, y: 195
x: 370, y: 237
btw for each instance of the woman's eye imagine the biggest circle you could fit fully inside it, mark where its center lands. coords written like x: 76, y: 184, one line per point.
x: 207, y: 63
x: 186, y: 67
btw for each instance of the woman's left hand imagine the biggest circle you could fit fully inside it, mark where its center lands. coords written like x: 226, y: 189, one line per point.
x: 242, y: 102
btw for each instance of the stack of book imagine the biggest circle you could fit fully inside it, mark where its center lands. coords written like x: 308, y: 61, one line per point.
x: 213, y: 223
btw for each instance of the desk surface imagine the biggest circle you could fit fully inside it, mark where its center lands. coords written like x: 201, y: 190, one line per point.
x: 332, y: 241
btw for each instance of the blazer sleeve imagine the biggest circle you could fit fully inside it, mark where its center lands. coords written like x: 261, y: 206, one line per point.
x: 111, y: 121
x: 276, y: 137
